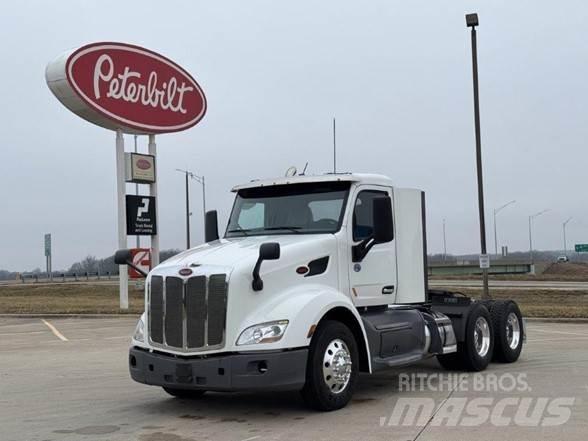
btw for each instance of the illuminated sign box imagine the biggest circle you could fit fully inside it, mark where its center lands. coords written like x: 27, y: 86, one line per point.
x: 139, y: 168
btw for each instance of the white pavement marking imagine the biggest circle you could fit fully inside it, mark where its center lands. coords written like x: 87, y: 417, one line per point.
x: 22, y: 333
x: 549, y: 331
x: 252, y: 438
x: 556, y: 339
x: 58, y: 334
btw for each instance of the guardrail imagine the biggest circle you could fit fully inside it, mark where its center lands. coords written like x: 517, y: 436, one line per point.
x: 66, y: 277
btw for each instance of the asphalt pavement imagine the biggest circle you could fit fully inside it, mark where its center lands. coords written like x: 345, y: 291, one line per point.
x: 67, y: 379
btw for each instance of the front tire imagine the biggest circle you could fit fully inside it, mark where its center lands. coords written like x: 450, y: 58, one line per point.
x: 184, y: 393
x: 332, y: 367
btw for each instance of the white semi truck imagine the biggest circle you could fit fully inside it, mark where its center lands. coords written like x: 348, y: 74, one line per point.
x: 316, y: 279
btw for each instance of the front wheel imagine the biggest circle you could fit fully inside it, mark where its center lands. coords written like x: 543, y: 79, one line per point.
x: 332, y: 367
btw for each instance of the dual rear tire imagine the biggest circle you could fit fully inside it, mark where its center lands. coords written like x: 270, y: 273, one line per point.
x: 494, y: 331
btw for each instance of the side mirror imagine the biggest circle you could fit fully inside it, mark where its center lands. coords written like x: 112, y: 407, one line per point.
x: 121, y: 257
x: 383, y: 228
x: 211, y: 226
x: 125, y: 257
x: 267, y: 251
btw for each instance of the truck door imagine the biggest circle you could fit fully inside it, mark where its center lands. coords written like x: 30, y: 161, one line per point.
x: 373, y: 280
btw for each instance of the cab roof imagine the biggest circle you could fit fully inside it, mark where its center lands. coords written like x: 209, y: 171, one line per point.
x: 364, y: 178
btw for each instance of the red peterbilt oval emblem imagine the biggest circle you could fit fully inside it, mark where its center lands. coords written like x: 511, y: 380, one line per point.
x: 118, y: 85
x: 143, y: 164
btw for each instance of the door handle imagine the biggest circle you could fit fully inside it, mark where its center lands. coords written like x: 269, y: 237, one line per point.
x: 388, y: 289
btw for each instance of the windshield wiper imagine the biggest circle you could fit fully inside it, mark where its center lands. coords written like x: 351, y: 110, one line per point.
x: 262, y: 229
x: 290, y: 228
x: 239, y: 230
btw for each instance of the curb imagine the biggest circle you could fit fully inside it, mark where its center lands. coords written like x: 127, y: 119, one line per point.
x: 78, y: 315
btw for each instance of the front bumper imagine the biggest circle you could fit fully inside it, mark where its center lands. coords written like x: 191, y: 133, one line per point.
x: 275, y: 370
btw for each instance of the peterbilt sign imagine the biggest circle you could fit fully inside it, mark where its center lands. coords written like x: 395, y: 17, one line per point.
x: 121, y: 86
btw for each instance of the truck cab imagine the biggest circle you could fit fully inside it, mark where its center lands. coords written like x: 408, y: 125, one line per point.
x: 315, y: 279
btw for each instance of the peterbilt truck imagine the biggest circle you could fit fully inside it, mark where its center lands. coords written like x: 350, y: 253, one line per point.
x: 316, y: 280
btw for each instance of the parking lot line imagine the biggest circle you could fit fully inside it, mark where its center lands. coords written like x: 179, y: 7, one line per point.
x: 550, y: 331
x: 58, y: 334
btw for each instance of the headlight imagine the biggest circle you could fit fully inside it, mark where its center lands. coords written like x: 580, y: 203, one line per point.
x: 263, y: 333
x: 139, y: 334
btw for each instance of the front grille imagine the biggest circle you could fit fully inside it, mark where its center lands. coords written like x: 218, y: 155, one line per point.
x: 188, y: 314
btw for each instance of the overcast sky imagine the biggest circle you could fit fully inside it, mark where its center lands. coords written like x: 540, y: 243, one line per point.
x: 396, y: 74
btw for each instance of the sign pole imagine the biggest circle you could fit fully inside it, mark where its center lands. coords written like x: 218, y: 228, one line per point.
x: 153, y: 192
x: 122, y: 216
x: 138, y: 238
x: 472, y: 22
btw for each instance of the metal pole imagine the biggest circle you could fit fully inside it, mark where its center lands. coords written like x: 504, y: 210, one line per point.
x: 444, y: 242
x: 530, y: 241
x: 137, y: 237
x: 153, y: 192
x: 533, y: 216
x: 334, y: 147
x: 203, y: 202
x: 565, y: 242
x: 496, y: 211
x: 187, y: 214
x: 495, y: 236
x: 564, y: 237
x: 473, y: 25
x: 122, y: 233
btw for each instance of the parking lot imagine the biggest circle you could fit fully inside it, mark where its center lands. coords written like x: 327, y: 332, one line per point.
x: 67, y: 379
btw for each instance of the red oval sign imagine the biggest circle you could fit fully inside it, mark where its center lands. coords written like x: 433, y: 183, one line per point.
x: 128, y: 87
x: 143, y: 164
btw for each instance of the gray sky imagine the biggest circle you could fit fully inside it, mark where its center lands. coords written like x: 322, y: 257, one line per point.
x: 397, y: 75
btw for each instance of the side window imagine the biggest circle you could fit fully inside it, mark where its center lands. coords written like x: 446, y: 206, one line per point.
x: 251, y: 216
x: 363, y: 219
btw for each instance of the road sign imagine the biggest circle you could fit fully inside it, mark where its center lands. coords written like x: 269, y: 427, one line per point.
x: 484, y: 261
x: 141, y: 258
x: 581, y: 247
x: 141, y: 219
x: 47, y: 245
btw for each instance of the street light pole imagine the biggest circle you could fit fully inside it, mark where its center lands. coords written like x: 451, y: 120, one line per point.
x: 201, y: 180
x: 444, y: 243
x: 496, y: 211
x: 138, y: 238
x: 472, y: 22
x: 533, y: 216
x: 564, y: 236
x: 187, y: 175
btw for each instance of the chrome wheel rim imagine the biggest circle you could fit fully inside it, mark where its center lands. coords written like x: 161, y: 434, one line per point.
x: 337, y: 366
x: 513, y: 330
x: 482, y: 336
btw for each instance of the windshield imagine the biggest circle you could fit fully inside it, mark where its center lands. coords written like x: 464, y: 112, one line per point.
x: 289, y: 209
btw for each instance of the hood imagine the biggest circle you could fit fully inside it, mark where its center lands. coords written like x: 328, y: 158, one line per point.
x: 235, y: 250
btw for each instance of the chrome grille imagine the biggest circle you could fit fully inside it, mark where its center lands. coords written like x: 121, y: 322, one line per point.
x: 188, y: 314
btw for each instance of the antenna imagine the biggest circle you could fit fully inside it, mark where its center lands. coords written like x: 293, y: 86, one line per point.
x: 304, y: 171
x: 334, y: 147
